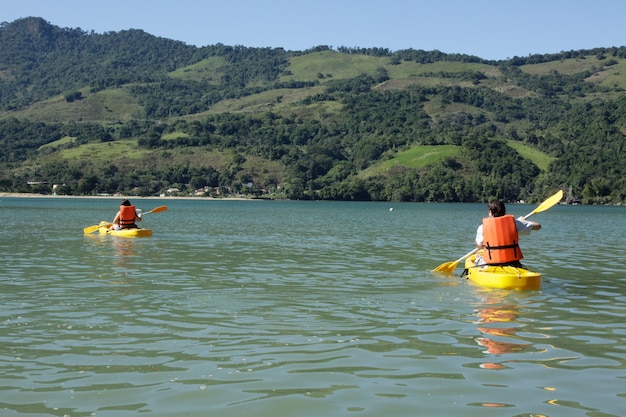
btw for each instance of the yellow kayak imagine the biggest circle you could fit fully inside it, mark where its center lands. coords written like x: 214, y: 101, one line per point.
x: 503, y: 277
x: 104, y: 230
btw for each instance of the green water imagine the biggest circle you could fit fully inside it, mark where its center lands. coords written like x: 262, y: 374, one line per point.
x: 250, y: 308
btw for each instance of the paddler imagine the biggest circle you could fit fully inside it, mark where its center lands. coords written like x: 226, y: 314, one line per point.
x: 126, y: 217
x: 498, y: 236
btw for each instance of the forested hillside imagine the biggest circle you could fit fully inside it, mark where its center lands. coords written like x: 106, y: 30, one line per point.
x: 125, y: 112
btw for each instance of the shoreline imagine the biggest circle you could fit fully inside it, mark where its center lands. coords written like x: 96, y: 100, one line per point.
x: 133, y: 197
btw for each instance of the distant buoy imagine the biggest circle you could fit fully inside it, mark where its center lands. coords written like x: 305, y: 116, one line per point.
x: 390, y: 208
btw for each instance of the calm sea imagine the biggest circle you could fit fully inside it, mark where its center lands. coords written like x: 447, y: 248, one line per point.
x: 254, y: 308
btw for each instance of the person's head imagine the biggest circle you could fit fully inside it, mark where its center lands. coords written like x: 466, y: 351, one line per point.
x: 125, y: 203
x: 496, y: 208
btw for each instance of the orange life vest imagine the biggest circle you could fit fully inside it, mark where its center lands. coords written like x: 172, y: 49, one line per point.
x: 500, y: 240
x: 127, y: 217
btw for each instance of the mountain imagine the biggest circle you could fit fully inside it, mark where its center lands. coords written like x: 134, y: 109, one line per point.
x: 127, y: 112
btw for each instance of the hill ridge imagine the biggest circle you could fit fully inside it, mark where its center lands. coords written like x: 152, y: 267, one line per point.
x: 304, y: 124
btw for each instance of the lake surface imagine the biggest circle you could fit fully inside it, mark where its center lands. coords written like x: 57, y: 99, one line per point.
x: 254, y: 308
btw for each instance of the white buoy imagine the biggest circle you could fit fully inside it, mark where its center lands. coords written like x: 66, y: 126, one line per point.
x: 390, y: 208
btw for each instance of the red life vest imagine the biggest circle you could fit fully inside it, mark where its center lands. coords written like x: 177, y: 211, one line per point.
x: 127, y: 217
x: 500, y: 240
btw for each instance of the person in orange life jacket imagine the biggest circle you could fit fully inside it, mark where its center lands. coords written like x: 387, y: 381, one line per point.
x: 126, y: 217
x: 498, y: 236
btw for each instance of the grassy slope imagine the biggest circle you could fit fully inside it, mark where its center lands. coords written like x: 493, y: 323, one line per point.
x: 62, y: 141
x: 421, y: 156
x: 205, y: 70
x: 105, y: 151
x: 539, y: 158
x: 108, y: 106
x: 611, y: 76
x: 415, y: 157
x: 135, y: 158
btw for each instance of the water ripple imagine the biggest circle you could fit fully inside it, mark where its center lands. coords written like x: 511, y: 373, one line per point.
x: 248, y: 308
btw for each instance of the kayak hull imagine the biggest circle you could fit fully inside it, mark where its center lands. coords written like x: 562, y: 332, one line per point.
x: 502, y: 277
x: 104, y: 230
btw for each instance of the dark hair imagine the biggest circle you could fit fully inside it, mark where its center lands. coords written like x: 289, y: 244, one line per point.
x: 125, y: 203
x: 496, y: 208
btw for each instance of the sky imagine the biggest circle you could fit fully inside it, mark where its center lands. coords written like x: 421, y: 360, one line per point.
x: 489, y: 29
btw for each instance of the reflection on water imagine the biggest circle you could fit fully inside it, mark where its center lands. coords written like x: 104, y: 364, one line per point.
x: 497, y: 322
x: 120, y: 250
x: 124, y: 250
x: 500, y: 315
x: 303, y: 308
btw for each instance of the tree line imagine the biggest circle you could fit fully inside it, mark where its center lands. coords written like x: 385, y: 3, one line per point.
x: 322, y: 159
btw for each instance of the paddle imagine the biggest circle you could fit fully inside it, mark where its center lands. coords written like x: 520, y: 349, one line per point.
x: 93, y: 228
x: 155, y: 210
x: 449, y: 267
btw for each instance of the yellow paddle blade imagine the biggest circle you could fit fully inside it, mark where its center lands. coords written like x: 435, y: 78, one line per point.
x: 554, y: 199
x: 156, y: 210
x: 447, y: 267
x: 91, y: 229
x: 95, y: 227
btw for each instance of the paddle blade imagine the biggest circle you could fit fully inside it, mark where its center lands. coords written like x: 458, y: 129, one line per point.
x: 95, y: 227
x: 91, y: 229
x: 554, y: 199
x: 447, y: 267
x: 156, y: 210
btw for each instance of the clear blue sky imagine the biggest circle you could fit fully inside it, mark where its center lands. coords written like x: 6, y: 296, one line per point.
x: 490, y: 29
